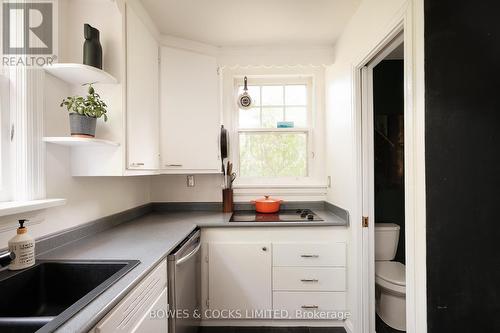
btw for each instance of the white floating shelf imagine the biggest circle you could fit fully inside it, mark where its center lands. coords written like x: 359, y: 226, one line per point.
x: 78, y: 74
x: 70, y: 141
x: 17, y: 207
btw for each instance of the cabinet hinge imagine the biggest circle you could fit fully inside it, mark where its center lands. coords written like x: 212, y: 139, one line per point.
x: 365, y: 221
x: 207, y: 303
x: 206, y: 259
x: 218, y: 70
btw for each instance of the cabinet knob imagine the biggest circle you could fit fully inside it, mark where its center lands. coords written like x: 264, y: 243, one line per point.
x: 264, y: 249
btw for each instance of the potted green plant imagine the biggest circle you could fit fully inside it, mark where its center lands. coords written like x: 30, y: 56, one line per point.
x: 84, y: 111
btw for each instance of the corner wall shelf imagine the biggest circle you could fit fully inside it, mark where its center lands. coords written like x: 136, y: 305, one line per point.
x: 78, y: 74
x: 70, y: 141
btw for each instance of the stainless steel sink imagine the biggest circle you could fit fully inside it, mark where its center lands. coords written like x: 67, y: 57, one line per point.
x: 43, y: 297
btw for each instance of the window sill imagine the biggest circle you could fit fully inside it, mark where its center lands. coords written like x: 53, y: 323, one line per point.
x: 17, y: 207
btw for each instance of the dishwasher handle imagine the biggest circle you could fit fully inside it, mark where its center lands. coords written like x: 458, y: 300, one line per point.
x: 188, y: 256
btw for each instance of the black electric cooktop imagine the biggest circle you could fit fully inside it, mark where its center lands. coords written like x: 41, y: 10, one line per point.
x: 292, y: 215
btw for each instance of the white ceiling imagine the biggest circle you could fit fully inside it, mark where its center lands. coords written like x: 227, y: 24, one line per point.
x: 253, y: 22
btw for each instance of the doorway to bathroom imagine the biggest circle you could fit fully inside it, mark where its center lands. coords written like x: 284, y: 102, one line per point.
x: 383, y: 138
x: 389, y: 203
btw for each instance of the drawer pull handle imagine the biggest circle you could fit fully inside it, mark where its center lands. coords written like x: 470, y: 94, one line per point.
x: 174, y: 165
x: 137, y: 164
x: 310, y: 280
x: 309, y: 256
x: 309, y: 307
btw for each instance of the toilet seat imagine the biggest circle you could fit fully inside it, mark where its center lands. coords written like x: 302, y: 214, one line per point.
x: 391, y: 275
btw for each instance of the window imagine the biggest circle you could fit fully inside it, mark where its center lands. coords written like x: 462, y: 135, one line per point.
x: 274, y: 135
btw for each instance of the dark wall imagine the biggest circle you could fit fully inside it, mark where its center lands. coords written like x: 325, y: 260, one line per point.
x: 462, y: 67
x: 388, y: 103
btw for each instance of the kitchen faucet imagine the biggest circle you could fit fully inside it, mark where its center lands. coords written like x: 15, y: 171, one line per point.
x: 6, y: 258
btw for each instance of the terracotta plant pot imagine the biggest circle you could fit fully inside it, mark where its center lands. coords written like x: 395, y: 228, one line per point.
x: 267, y: 205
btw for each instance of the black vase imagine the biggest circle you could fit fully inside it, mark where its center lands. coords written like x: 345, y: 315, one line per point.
x: 92, y: 49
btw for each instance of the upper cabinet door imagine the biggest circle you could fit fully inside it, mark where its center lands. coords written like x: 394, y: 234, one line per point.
x: 190, y: 115
x: 142, y: 95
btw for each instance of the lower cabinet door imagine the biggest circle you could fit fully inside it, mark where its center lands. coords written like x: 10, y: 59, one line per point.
x: 155, y: 319
x: 240, y: 278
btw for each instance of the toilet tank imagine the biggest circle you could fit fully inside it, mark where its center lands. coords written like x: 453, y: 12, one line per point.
x: 386, y: 241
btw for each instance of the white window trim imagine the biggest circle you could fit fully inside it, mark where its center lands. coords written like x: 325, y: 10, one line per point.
x: 5, y: 180
x: 278, y: 182
x: 26, y: 147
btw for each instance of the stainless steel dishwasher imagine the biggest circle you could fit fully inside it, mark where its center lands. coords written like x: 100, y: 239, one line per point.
x: 184, y: 285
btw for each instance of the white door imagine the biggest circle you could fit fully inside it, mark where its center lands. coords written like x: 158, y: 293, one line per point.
x: 142, y: 95
x: 368, y: 183
x: 190, y: 114
x: 240, y: 276
x: 368, y: 291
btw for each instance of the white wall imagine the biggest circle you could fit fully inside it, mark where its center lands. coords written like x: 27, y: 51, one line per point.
x: 254, y: 61
x: 356, y: 41
x: 93, y: 197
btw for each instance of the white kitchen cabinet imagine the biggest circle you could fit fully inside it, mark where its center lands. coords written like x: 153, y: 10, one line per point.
x: 190, y: 113
x: 240, y: 276
x: 309, y: 254
x: 154, y: 320
x: 132, y: 314
x: 309, y: 279
x: 303, y: 305
x: 303, y: 271
x: 142, y: 95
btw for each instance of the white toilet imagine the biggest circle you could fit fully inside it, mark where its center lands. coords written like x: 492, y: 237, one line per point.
x: 390, y: 279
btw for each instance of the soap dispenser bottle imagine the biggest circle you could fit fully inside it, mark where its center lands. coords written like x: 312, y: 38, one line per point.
x: 23, y: 246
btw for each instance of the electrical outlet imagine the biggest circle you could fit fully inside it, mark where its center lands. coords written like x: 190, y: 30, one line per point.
x: 190, y: 181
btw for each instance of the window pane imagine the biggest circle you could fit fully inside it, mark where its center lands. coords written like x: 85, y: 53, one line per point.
x: 272, y: 95
x: 254, y: 92
x: 273, y: 154
x: 270, y: 117
x: 296, y: 95
x: 298, y: 115
x: 250, y: 118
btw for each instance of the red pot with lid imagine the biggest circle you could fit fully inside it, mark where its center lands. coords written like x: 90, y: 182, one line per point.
x: 267, y: 205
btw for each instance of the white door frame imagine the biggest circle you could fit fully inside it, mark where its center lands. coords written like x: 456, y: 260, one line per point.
x: 410, y: 20
x: 368, y: 181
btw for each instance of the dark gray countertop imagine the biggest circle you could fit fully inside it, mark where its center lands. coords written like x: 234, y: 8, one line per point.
x: 149, y: 239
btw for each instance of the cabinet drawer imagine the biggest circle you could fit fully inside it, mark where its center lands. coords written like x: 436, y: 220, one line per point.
x: 309, y: 254
x: 309, y: 278
x: 125, y: 316
x: 303, y: 305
